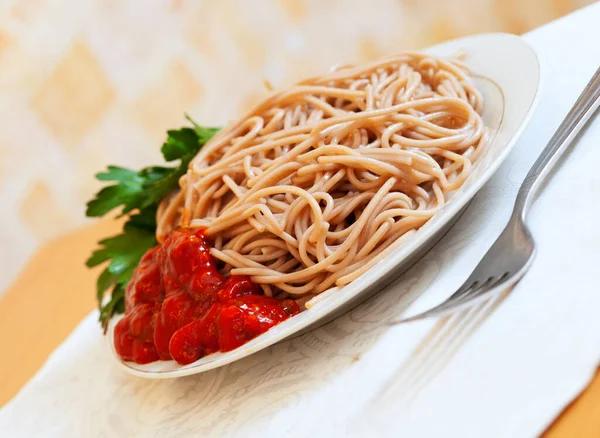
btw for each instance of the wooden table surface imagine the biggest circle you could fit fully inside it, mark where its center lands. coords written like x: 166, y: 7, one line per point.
x: 55, y: 291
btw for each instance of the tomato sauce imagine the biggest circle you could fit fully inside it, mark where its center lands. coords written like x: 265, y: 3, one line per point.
x: 178, y: 306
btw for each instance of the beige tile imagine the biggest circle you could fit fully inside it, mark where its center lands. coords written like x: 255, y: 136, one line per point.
x: 368, y: 49
x: 74, y: 97
x: 248, y: 46
x: 162, y: 106
x: 198, y: 27
x: 41, y: 214
x: 441, y: 29
x: 3, y: 166
x: 6, y: 41
x: 25, y: 10
x: 295, y: 9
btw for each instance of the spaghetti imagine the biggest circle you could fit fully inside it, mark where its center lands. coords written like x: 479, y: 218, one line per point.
x: 319, y: 182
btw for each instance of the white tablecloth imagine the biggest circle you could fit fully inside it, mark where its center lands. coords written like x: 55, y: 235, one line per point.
x: 502, y: 369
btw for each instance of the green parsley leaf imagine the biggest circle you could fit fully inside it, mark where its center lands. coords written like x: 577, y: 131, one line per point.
x: 115, y: 305
x: 124, y: 252
x: 138, y: 194
x: 204, y: 134
x: 176, y: 147
x: 127, y: 192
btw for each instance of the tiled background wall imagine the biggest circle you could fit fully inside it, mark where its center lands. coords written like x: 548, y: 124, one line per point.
x: 84, y: 83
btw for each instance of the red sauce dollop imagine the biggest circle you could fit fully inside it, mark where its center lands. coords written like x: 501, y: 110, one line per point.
x: 178, y: 306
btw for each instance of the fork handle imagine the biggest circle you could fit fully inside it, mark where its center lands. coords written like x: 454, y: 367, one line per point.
x: 583, y: 109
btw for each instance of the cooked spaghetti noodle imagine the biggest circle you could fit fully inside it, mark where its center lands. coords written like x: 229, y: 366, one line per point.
x: 320, y: 181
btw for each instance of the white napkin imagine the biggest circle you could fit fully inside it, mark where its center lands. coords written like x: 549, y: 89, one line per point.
x: 503, y: 369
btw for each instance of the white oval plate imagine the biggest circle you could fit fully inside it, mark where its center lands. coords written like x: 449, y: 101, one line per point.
x: 509, y: 72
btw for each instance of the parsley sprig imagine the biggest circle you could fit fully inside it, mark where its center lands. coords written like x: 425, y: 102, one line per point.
x: 138, y: 194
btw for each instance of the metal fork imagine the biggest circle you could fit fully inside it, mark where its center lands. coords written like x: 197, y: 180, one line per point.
x: 510, y: 256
